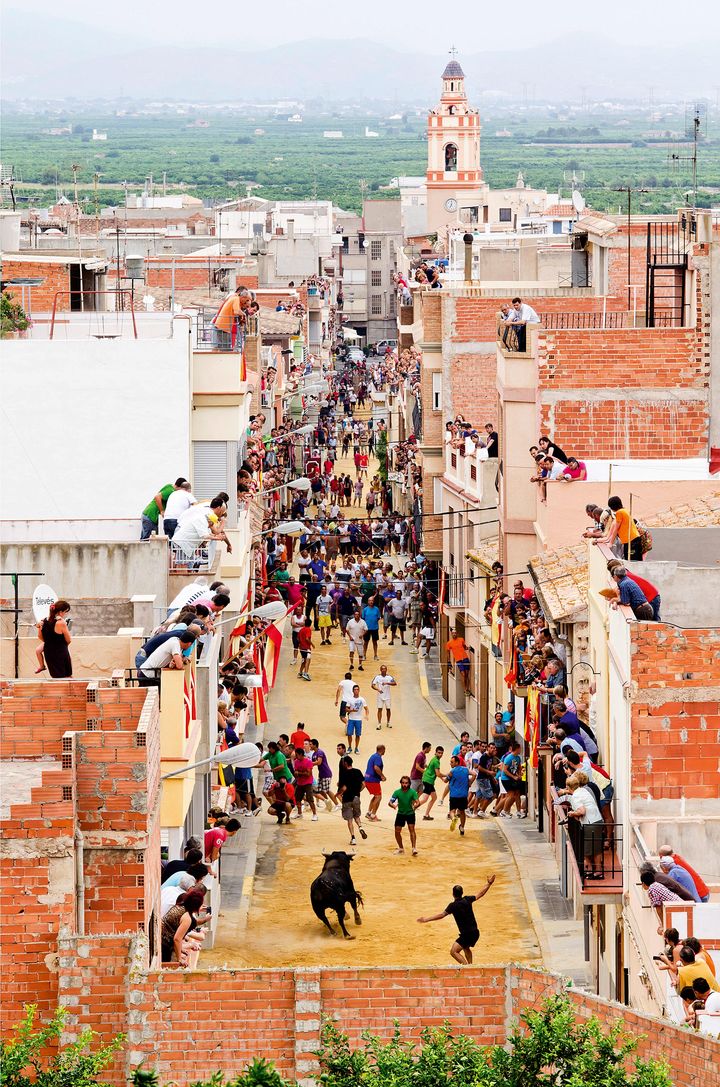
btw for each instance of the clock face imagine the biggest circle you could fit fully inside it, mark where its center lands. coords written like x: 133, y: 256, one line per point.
x: 451, y: 204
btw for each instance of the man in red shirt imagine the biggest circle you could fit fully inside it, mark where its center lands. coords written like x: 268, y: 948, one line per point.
x: 216, y: 837
x: 700, y: 885
x: 303, y: 770
x: 305, y: 644
x: 364, y: 462
x: 299, y: 737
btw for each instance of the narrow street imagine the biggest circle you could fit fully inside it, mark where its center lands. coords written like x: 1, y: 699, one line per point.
x: 280, y: 926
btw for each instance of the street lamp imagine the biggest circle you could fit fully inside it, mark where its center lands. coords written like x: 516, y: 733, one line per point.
x: 245, y: 754
x: 302, y: 484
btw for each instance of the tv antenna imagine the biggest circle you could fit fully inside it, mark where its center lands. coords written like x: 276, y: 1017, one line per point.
x: 574, y: 178
x: 695, y: 131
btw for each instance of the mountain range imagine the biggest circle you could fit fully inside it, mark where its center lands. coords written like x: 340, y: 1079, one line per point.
x: 56, y: 58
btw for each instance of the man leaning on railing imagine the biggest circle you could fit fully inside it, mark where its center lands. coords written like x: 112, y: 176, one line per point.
x: 519, y: 316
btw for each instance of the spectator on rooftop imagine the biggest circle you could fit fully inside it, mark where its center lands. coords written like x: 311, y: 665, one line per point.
x: 492, y: 442
x: 180, y: 500
x: 658, y: 894
x: 519, y: 317
x: 151, y: 514
x: 631, y: 595
x: 167, y: 655
x: 690, y: 968
x: 652, y: 594
x: 54, y: 633
x: 201, y: 522
x: 678, y: 873
x: 549, y: 448
x: 624, y: 529
x: 701, y: 885
x: 575, y: 469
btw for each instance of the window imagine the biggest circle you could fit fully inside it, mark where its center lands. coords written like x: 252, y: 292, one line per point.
x: 376, y: 279
x: 376, y: 250
x: 469, y: 215
x: 209, y: 468
x: 505, y: 215
x: 437, y: 391
x: 451, y: 157
x: 375, y: 304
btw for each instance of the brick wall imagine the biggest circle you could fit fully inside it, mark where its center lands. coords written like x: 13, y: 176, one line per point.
x: 56, y: 278
x: 675, y: 713
x: 189, y: 1024
x: 624, y: 392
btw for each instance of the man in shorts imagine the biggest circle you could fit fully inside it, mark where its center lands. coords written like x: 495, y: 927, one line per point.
x: 418, y: 768
x: 461, y: 908
x: 382, y: 684
x: 324, y: 773
x: 428, y: 782
x: 459, y: 652
x: 343, y: 694
x: 350, y: 785
x: 305, y: 642
x: 303, y: 770
x: 374, y: 777
x: 355, y: 632
x: 297, y: 622
x: 371, y: 618
x: 405, y: 800
x: 458, y: 780
x: 324, y: 606
x: 398, y: 607
x: 356, y: 707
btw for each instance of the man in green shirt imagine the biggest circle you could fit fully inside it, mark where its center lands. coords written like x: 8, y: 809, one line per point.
x: 405, y: 801
x: 151, y: 514
x: 278, y: 763
x: 428, y: 781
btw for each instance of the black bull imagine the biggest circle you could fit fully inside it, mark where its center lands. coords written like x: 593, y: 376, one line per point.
x: 333, y: 888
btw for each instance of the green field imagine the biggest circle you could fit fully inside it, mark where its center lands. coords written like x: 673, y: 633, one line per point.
x: 293, y: 161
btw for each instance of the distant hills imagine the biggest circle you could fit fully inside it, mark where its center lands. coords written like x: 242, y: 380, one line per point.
x: 56, y: 58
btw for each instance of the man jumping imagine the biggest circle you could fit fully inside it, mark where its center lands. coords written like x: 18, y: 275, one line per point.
x: 461, y: 908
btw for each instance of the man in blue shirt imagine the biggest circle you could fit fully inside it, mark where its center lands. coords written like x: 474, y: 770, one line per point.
x: 458, y: 780
x: 371, y: 615
x: 373, y: 777
x: 680, y: 875
x: 510, y: 777
x: 632, y: 595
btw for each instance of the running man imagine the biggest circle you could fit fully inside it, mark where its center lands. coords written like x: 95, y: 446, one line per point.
x: 351, y: 784
x: 374, y: 777
x: 306, y: 644
x: 458, y: 780
x: 356, y: 631
x: 461, y: 908
x: 356, y: 707
x: 324, y: 785
x: 405, y: 800
x: 459, y: 651
x: 382, y: 684
x: 428, y: 781
x: 343, y: 694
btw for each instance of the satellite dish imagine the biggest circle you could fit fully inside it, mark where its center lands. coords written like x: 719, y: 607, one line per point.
x: 188, y: 595
x: 578, y: 201
x: 42, y: 598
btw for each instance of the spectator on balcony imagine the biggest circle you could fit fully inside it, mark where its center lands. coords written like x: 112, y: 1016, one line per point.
x: 700, y: 953
x: 680, y: 875
x: 519, y: 316
x: 602, y: 519
x: 630, y: 594
x: 230, y: 316
x: 651, y: 592
x: 586, y: 810
x: 690, y: 968
x: 658, y: 894
x: 710, y: 1000
x: 170, y: 895
x: 167, y: 655
x: 576, y: 469
x: 177, y: 502
x: 198, y: 524
x: 191, y: 855
x: 151, y: 514
x: 216, y: 837
x: 549, y: 448
x: 492, y: 442
x: 624, y: 529
x: 700, y: 884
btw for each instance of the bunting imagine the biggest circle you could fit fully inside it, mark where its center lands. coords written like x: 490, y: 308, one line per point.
x: 272, y: 650
x: 511, y: 675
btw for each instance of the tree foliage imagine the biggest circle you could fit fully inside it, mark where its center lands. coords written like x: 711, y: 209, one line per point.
x: 26, y: 1061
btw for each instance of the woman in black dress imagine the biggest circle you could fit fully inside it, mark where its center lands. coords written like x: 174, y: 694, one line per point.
x: 56, y: 637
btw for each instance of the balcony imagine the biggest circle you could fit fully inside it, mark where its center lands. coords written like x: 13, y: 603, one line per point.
x: 206, y: 337
x: 471, y: 475
x: 590, y: 858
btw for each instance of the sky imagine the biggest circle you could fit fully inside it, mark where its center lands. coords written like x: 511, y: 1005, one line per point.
x: 420, y: 25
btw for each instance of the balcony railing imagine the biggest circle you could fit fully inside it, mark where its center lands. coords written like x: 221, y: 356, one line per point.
x: 208, y: 338
x: 199, y: 560
x: 598, y: 854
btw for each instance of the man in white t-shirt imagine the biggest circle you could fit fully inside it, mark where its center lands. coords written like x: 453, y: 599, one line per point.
x: 355, y: 632
x: 180, y: 500
x: 382, y: 684
x: 344, y: 693
x: 167, y: 655
x: 356, y: 708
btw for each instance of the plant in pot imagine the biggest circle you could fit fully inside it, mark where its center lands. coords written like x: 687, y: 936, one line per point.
x: 13, y: 318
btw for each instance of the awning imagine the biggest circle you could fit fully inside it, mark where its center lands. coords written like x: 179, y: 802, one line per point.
x: 349, y: 333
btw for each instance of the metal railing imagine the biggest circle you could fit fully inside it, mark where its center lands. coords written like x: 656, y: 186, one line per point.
x: 120, y: 308
x: 210, y: 338
x: 198, y: 560
x: 598, y: 852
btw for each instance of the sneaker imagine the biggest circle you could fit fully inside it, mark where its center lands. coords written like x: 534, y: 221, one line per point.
x: 297, y: 815
x: 480, y: 815
x: 453, y: 823
x: 353, y: 842
x: 414, y: 852
x: 360, y: 668
x: 462, y: 832
x: 314, y: 819
x: 398, y: 852
x: 413, y: 650
x: 363, y: 833
x: 329, y: 806
x: 378, y: 729
x: 307, y: 677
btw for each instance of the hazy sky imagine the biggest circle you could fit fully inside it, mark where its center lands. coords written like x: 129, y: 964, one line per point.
x: 424, y: 25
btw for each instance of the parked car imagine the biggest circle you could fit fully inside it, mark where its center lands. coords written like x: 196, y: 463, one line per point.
x: 382, y: 346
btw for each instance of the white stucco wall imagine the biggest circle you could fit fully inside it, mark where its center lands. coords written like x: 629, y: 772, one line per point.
x: 92, y: 428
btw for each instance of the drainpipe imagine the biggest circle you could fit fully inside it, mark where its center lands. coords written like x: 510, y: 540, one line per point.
x: 468, y: 239
x: 79, y: 882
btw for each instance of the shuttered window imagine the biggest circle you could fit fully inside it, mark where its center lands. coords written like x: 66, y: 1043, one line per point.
x: 210, y: 468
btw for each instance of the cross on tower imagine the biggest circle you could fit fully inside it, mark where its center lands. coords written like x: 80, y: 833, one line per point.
x: 453, y: 52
